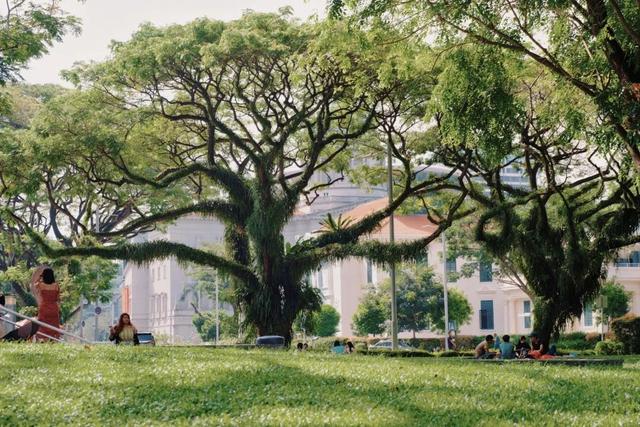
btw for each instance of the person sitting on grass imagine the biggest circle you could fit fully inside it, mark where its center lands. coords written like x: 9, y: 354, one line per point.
x: 350, y: 347
x: 506, y: 348
x: 523, y: 347
x: 337, y: 348
x: 124, y: 332
x: 299, y: 346
x: 483, y: 349
x: 537, y: 347
x: 539, y: 350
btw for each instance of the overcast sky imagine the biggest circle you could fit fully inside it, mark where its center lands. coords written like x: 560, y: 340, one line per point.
x: 103, y: 21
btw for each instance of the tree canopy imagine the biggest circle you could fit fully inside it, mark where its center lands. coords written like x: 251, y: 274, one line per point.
x: 590, y: 45
x: 235, y: 121
x: 420, y: 300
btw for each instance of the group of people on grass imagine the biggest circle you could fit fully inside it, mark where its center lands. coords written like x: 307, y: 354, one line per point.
x: 339, y: 347
x: 343, y: 347
x: 536, y: 349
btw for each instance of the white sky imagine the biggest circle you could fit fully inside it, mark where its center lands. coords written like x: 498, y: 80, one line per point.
x: 106, y: 20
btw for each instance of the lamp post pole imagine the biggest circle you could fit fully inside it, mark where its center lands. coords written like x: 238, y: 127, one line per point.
x: 217, y: 313
x: 392, y: 272
x: 446, y: 293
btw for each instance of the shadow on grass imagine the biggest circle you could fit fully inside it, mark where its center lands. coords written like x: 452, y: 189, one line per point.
x: 322, y: 387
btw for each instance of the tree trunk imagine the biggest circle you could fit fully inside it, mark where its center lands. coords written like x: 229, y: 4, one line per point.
x: 545, y: 315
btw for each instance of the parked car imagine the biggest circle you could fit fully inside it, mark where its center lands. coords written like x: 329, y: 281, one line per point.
x: 272, y: 341
x: 387, y: 345
x: 146, y: 338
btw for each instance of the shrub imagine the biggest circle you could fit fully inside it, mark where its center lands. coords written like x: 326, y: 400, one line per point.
x: 627, y: 332
x: 29, y: 310
x: 609, y: 348
x: 577, y: 341
x: 326, y: 321
x: 428, y: 344
x: 468, y: 342
x: 463, y: 342
x: 573, y: 336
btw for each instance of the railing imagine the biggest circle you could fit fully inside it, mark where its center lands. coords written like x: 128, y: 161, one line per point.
x: 41, y: 323
x: 626, y: 264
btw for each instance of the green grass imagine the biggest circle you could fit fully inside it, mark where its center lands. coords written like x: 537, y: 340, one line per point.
x: 61, y: 385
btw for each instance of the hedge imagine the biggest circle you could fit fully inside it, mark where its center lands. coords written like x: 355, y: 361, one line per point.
x: 627, y: 331
x: 573, y: 341
x: 609, y: 348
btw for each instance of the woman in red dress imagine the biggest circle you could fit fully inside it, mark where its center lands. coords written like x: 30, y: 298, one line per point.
x: 47, y: 293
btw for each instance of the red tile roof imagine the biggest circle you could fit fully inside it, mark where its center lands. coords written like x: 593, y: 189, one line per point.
x: 406, y: 227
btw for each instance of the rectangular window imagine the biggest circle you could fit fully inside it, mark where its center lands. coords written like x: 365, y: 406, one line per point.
x: 526, y: 309
x: 486, y: 274
x: 588, y: 315
x: 369, y: 271
x: 486, y: 314
x: 451, y: 265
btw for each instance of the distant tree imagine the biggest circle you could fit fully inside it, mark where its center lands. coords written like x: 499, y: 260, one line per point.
x: 617, y: 301
x: 327, y: 321
x: 371, y: 314
x: 205, y: 324
x: 306, y: 322
x: 460, y: 310
x: 420, y: 300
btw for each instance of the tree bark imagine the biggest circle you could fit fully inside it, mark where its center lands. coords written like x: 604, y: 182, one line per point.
x: 545, y: 314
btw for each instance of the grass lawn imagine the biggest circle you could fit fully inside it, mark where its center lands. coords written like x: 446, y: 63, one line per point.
x: 55, y: 385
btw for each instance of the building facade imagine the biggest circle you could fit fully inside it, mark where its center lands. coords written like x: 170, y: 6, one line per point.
x: 498, y: 307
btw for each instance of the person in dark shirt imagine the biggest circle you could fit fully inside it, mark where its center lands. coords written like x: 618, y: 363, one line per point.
x: 538, y: 347
x: 523, y: 347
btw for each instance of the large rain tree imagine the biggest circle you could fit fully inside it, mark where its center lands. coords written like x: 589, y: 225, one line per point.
x: 235, y: 121
x: 578, y: 204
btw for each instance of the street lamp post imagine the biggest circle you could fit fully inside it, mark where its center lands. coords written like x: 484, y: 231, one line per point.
x: 217, y: 314
x: 446, y: 293
x: 392, y: 273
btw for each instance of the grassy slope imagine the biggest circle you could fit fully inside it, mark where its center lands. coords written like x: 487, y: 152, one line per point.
x: 47, y: 384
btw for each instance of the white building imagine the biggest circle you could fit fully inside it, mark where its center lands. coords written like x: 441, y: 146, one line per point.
x: 497, y: 306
